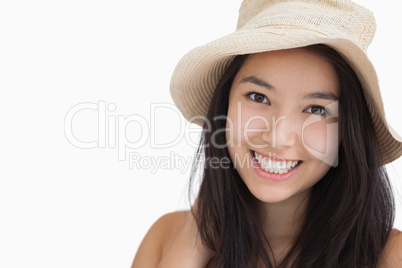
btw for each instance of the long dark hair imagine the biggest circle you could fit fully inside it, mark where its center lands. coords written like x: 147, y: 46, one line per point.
x: 350, y: 212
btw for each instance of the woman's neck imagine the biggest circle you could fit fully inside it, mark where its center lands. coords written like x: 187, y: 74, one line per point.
x: 282, y: 221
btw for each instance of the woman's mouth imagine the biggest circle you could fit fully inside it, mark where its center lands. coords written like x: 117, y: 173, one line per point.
x: 275, y: 165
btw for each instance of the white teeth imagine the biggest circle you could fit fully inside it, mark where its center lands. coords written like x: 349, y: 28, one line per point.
x: 288, y: 164
x: 276, y: 167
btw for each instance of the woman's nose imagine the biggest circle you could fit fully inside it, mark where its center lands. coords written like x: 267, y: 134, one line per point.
x: 282, y: 132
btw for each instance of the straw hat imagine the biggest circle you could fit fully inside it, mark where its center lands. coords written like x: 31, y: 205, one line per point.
x: 266, y: 25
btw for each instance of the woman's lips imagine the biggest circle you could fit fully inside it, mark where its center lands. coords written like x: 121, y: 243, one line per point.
x: 274, y: 168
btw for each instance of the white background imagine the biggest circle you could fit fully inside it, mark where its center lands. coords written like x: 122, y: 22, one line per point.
x: 64, y: 206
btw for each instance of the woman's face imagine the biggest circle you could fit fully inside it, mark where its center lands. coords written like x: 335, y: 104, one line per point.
x: 282, y: 125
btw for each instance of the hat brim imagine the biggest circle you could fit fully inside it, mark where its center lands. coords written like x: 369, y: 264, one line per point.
x: 198, y: 72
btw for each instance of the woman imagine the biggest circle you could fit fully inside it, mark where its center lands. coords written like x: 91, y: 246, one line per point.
x: 294, y: 141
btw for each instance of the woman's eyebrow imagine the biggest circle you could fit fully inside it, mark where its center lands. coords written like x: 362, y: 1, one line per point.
x: 321, y: 95
x: 313, y: 95
x: 257, y: 81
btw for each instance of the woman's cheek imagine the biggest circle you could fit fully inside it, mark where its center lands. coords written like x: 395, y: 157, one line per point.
x: 231, y: 125
x: 240, y: 125
x: 253, y: 127
x: 321, y: 141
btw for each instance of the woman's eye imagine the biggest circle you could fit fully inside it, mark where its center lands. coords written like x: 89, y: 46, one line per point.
x: 316, y: 110
x: 258, y: 97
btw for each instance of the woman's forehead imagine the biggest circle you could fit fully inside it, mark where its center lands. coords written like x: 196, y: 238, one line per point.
x: 292, y: 68
x: 285, y: 58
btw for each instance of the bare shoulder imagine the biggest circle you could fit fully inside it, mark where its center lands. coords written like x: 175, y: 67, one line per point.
x: 161, y: 234
x: 392, y: 254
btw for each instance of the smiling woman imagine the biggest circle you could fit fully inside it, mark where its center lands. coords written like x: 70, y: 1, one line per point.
x: 306, y: 141
x: 275, y: 165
